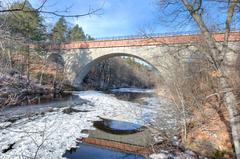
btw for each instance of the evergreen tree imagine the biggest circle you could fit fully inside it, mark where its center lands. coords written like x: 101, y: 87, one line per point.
x: 76, y: 34
x: 59, y: 31
x: 88, y: 37
x: 28, y: 22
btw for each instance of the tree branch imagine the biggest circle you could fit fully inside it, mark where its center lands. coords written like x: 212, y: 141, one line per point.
x: 55, y: 13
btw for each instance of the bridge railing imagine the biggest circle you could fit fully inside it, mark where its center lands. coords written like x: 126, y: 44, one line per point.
x: 157, y: 35
x: 143, y: 36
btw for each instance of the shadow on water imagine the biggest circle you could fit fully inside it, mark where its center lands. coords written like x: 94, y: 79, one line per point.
x: 89, y: 151
x: 118, y: 127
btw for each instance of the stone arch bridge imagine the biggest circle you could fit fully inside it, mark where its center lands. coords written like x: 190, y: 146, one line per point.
x: 79, y: 57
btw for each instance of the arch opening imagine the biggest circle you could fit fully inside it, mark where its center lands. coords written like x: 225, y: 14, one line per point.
x: 116, y: 59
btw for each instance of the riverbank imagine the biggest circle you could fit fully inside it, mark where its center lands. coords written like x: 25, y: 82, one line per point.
x: 18, y: 90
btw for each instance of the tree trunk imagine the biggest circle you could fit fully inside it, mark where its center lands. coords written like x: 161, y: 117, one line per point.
x: 215, y: 56
x: 234, y: 115
x: 10, y: 58
x: 28, y: 73
x: 43, y: 70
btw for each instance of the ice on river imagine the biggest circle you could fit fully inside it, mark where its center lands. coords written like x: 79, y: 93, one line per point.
x: 49, y: 135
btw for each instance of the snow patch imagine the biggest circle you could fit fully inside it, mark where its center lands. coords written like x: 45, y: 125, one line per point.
x: 50, y: 135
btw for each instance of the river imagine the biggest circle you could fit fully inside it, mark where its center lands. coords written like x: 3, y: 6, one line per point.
x: 53, y: 129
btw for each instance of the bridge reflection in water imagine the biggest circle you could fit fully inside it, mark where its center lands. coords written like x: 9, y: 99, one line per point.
x: 113, y: 139
x: 89, y: 151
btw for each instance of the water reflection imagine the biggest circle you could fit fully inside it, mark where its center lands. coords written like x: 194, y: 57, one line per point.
x: 88, y: 151
x: 118, y: 127
x: 43, y: 106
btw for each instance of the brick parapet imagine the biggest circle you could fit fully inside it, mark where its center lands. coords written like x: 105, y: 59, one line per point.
x: 234, y: 36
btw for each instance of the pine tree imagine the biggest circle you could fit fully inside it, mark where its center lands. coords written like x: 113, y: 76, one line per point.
x: 88, y: 37
x: 59, y: 31
x: 76, y: 34
x: 28, y: 22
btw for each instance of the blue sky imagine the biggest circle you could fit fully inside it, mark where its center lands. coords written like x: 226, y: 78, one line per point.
x: 125, y: 17
x: 117, y: 17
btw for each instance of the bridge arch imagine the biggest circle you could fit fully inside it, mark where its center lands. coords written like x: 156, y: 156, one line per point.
x: 87, y: 67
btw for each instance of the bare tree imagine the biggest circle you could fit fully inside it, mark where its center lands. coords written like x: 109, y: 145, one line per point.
x: 40, y: 9
x: 217, y: 56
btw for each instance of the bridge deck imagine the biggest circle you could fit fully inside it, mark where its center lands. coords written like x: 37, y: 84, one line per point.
x: 234, y: 36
